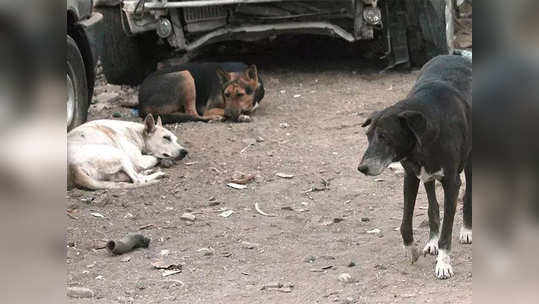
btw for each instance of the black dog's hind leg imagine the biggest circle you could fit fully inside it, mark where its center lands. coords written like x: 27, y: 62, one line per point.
x: 466, y: 230
x: 434, y: 219
x: 411, y: 185
x: 451, y: 184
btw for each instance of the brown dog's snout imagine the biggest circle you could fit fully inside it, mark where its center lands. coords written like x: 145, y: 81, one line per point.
x: 232, y: 113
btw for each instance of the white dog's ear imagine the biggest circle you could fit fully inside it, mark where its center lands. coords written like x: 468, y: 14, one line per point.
x: 159, y: 123
x: 149, y: 124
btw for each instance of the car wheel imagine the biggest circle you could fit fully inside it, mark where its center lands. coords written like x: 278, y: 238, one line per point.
x: 125, y: 60
x: 430, y: 30
x: 77, y: 89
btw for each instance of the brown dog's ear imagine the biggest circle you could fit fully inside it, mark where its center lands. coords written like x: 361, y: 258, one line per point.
x: 224, y: 77
x: 149, y: 124
x: 159, y: 123
x: 424, y: 131
x: 252, y: 72
x: 369, y: 120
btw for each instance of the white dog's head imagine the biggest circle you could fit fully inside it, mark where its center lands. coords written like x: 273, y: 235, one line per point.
x: 160, y: 142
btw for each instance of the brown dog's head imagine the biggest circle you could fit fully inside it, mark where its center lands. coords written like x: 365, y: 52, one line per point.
x: 238, y: 91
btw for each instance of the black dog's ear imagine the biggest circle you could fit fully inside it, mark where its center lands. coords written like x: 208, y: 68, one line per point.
x: 423, y: 131
x: 224, y: 77
x: 149, y: 124
x: 369, y: 120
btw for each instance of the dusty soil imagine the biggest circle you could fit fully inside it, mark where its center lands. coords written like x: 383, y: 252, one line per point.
x: 308, y: 126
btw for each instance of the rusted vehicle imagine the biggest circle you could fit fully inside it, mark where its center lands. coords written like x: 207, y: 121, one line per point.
x: 138, y: 32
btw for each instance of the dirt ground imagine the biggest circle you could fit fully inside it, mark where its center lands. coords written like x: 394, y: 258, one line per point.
x: 308, y: 126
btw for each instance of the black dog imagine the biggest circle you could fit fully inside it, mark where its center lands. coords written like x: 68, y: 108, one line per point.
x: 202, y: 92
x: 430, y: 133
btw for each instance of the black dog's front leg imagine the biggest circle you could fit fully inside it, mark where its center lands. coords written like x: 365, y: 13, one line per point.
x: 411, y: 184
x: 434, y: 219
x: 451, y: 184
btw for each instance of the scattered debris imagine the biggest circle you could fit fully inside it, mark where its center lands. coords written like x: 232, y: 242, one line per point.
x: 116, y: 115
x: 284, y: 175
x: 257, y: 208
x: 345, y: 278
x: 396, y: 168
x: 351, y: 264
x: 206, y: 251
x: 188, y: 217
x: 365, y: 219
x: 79, y: 292
x: 128, y: 243
x: 191, y: 163
x: 125, y: 259
x: 248, y: 245
x: 242, y: 179
x: 379, y: 179
x: 144, y: 227
x: 226, y: 213
x: 282, y: 91
x: 297, y: 95
x: 278, y: 287
x: 97, y: 214
x: 167, y: 273
x: 284, y: 125
x: 259, y: 139
x: 236, y: 186
x: 107, y: 97
x: 164, y: 252
x: 374, y: 231
x: 166, y: 266
x: 309, y: 259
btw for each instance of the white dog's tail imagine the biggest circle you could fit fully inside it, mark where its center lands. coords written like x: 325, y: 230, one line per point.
x: 81, y: 179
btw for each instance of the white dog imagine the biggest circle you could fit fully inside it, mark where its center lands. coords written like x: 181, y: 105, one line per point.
x: 113, y: 154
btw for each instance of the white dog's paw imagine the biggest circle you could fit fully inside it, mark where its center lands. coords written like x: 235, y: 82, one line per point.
x: 412, y: 252
x: 431, y: 247
x: 443, y: 266
x: 244, y: 118
x: 160, y: 174
x: 465, y: 235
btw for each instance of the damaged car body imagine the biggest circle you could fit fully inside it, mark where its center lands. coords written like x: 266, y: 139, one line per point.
x: 411, y: 32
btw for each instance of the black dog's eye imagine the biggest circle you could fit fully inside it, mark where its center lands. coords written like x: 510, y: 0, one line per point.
x: 248, y: 91
x: 227, y: 95
x: 167, y: 138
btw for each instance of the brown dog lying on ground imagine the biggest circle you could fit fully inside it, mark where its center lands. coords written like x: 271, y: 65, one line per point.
x: 202, y: 92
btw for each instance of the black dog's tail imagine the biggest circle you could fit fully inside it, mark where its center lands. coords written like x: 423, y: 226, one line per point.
x: 180, y: 117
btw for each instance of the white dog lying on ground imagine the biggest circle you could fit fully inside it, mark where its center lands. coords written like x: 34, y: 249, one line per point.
x: 113, y: 154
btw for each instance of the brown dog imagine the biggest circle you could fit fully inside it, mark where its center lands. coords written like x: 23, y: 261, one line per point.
x: 202, y: 92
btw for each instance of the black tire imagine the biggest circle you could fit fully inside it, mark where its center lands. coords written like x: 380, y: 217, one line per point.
x: 426, y: 30
x: 76, y: 72
x: 125, y: 60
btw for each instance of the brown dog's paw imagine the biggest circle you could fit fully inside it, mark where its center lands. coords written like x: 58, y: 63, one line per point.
x: 244, y: 118
x: 215, y: 118
x: 166, y: 163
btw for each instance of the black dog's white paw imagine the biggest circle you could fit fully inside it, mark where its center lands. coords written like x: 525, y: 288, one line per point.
x: 166, y: 163
x: 465, y: 235
x: 443, y: 266
x: 431, y: 247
